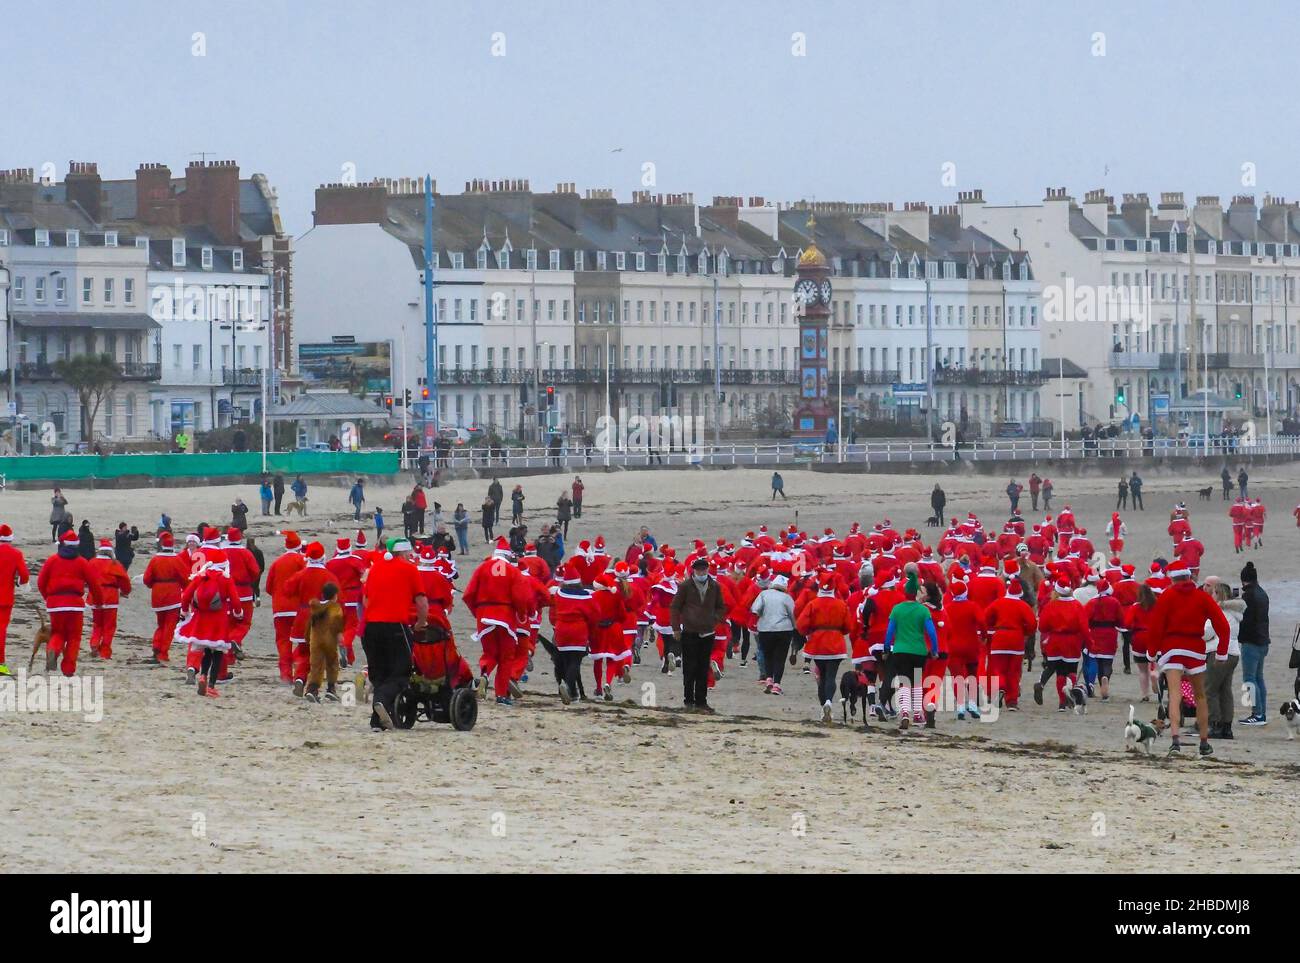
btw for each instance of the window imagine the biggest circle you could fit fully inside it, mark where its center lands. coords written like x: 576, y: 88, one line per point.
x: 42, y: 237
x: 600, y: 260
x: 530, y: 259
x: 620, y: 260
x: 87, y: 290
x: 176, y: 355
x: 108, y: 290
x: 237, y: 260
x: 640, y: 260
x: 20, y: 288
x: 457, y: 261
x: 74, y: 238
x: 473, y: 309
x: 481, y: 258
x: 197, y: 357
x: 553, y: 260
x: 4, y: 237
x: 128, y: 291
x: 579, y: 261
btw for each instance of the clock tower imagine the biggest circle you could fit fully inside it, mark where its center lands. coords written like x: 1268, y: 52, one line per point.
x: 812, y: 297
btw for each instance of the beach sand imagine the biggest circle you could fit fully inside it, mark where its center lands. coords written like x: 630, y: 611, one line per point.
x: 260, y: 781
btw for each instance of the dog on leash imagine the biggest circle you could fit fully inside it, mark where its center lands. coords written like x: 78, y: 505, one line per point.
x: 1290, y: 713
x: 853, y: 689
x: 1205, y: 493
x: 298, y: 505
x: 1138, y: 733
x: 43, y: 639
x: 934, y: 521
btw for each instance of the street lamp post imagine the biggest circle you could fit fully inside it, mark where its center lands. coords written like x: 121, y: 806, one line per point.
x: 5, y: 280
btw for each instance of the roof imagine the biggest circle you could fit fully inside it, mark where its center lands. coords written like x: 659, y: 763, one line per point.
x: 123, y: 321
x: 328, y: 406
x: 1053, y: 368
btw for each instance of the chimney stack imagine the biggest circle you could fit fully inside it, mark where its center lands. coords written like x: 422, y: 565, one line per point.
x: 84, y: 187
x: 155, y: 198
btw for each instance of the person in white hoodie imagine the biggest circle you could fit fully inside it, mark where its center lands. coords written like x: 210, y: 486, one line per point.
x: 775, y: 610
x: 1219, y: 690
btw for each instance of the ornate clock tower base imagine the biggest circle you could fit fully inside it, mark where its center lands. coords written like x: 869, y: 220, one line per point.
x: 812, y: 291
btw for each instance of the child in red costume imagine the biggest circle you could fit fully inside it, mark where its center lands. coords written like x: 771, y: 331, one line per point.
x: 348, y: 569
x: 113, y: 583
x: 211, y: 605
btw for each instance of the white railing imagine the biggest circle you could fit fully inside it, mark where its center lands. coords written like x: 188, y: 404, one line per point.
x: 871, y: 453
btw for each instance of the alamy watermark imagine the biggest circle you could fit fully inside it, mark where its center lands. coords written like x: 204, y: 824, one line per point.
x: 660, y: 433
x: 79, y: 695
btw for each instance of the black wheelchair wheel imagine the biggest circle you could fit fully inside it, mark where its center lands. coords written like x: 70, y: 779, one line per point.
x: 406, y: 707
x: 463, y: 709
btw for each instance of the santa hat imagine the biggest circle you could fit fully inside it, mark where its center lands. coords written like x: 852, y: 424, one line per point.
x: 315, y: 551
x: 1011, y: 567
x: 69, y: 538
x: 1178, y: 570
x: 191, y: 539
x: 621, y: 570
x: 530, y: 549
x: 361, y: 538
x: 166, y: 540
x: 1128, y: 570
x: 958, y: 589
x: 105, y: 547
x: 428, y: 555
x: 502, y: 547
x: 234, y: 536
x: 6, y: 533
x: 826, y: 585
x: 569, y: 573
x: 600, y: 543
x: 721, y: 543
x: 211, y: 535
x: 763, y: 529
x: 215, y: 558
x: 1013, y: 588
x: 1062, y: 587
x: 292, y: 542
x: 606, y: 580
x: 1156, y: 567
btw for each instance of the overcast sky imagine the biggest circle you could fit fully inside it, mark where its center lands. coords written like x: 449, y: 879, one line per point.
x: 829, y: 100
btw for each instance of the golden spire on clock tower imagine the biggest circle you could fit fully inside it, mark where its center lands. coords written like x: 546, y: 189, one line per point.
x: 812, y: 256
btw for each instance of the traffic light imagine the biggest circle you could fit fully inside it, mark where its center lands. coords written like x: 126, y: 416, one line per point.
x: 1238, y: 390
x: 407, y: 400
x: 550, y: 397
x: 1119, y: 395
x: 388, y: 402
x: 424, y: 394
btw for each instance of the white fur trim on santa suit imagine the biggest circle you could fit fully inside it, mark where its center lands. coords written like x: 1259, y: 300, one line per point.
x: 66, y: 608
x: 203, y: 643
x: 165, y: 608
x: 487, y: 626
x: 284, y: 615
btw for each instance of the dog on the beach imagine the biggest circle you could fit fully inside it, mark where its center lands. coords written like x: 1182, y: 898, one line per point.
x: 43, y: 639
x: 298, y: 505
x: 1205, y: 493
x: 1290, y: 713
x: 1138, y: 733
x: 934, y: 521
x: 853, y: 689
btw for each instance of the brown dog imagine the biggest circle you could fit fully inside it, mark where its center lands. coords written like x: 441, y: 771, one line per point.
x: 42, y: 639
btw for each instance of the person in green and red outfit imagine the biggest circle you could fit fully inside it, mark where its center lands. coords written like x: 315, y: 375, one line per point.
x: 910, y: 639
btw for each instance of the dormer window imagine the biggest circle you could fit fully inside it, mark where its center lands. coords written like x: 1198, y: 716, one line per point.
x: 1006, y: 270
x: 530, y: 259
x: 600, y: 261
x: 702, y: 263
x: 480, y: 258
x: 640, y: 260
x: 42, y: 237
x: 178, y: 252
x: 620, y: 260
x: 580, y: 260
x: 74, y: 239
x: 457, y: 261
x: 931, y: 270
x: 949, y: 270
x: 110, y: 239
x: 142, y: 242
x: 988, y: 272
x: 4, y: 237
x: 206, y: 258
x: 661, y: 263
x: 503, y: 259
x: 553, y: 260
x: 1022, y: 272
x: 237, y: 260
x: 681, y: 264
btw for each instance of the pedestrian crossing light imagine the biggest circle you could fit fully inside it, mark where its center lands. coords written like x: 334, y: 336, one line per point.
x: 1119, y: 395
x: 1238, y: 391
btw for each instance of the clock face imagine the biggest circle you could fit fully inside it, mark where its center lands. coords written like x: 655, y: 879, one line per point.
x: 825, y: 292
x: 805, y: 292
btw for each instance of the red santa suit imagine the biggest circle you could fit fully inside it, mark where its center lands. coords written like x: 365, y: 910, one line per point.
x: 1176, y: 634
x: 436, y: 656
x: 210, y: 604
x: 349, y: 570
x: 1189, y: 552
x: 1105, y: 618
x: 1010, y: 623
x: 500, y: 599
x: 964, y: 625
x: 609, y: 647
x: 113, y: 583
x: 284, y: 606
x: 1255, y: 524
x: 1063, y: 627
x: 1116, y: 532
x: 64, y: 580
x: 574, y: 623
x: 1179, y: 529
x: 165, y: 576
x: 13, y: 571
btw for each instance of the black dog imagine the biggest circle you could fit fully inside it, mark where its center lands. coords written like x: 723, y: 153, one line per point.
x: 853, y: 689
x: 934, y: 521
x: 1205, y: 493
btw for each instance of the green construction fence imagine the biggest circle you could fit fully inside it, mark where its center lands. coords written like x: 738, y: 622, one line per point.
x: 71, y: 468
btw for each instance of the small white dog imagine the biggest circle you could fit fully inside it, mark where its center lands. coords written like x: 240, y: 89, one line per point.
x: 1138, y: 733
x: 1290, y: 713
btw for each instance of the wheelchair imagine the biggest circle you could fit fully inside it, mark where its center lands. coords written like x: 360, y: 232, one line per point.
x: 435, y: 699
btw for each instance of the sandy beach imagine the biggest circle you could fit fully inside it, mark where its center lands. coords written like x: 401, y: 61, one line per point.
x: 259, y: 781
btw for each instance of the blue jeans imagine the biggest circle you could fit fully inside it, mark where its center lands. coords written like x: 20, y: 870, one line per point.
x: 1252, y: 676
x: 462, y: 536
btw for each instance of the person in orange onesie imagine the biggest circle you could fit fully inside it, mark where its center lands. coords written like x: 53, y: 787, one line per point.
x: 284, y: 608
x: 304, y: 588
x: 1063, y: 624
x: 349, y: 570
x: 165, y: 576
x: 1011, y: 622
x: 825, y: 625
x: 113, y: 583
x: 13, y: 571
x: 499, y: 598
x: 63, y: 582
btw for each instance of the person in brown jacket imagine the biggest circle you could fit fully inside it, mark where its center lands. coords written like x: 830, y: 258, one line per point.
x: 696, y: 610
x: 324, y: 634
